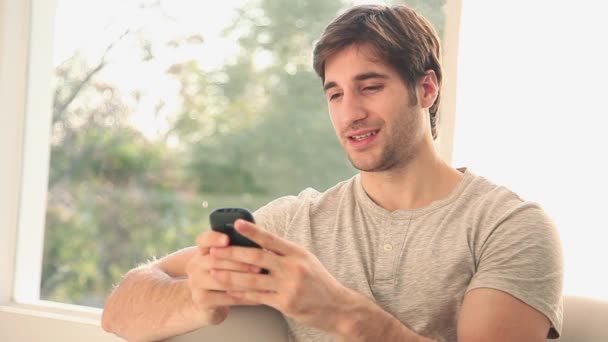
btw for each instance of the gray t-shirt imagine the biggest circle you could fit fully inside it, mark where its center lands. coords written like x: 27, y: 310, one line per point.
x: 418, y: 264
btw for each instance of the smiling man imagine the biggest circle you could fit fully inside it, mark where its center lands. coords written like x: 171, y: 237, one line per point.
x: 409, y: 249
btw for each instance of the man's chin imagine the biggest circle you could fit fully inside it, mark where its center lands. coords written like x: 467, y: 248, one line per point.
x: 369, y: 166
x: 374, y: 163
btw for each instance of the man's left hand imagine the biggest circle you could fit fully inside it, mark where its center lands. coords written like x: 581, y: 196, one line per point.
x: 298, y: 284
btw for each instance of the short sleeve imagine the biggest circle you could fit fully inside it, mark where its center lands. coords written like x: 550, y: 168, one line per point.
x: 522, y: 256
x: 277, y: 214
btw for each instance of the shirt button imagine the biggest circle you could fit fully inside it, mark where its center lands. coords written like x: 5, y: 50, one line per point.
x: 388, y: 247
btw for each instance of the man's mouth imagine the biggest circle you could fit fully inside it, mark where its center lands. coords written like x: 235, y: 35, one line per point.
x: 363, y: 136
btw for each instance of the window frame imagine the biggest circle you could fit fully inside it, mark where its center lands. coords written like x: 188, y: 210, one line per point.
x: 24, y: 177
x: 26, y: 37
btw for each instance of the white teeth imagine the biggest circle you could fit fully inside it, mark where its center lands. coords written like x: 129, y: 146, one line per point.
x: 361, y: 137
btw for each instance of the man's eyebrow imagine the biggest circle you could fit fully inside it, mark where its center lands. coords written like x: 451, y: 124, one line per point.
x: 329, y: 85
x: 360, y: 77
x: 368, y: 75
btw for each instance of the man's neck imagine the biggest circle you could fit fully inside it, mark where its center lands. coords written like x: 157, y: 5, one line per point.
x: 423, y: 180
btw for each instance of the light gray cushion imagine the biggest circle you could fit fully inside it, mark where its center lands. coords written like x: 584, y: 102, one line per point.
x: 585, y: 320
x: 244, y: 323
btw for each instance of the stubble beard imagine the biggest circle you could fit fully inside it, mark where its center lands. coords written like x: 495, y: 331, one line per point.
x: 388, y: 160
x: 399, y: 149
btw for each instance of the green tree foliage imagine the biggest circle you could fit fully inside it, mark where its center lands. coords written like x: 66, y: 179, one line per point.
x: 249, y: 131
x: 290, y: 143
x: 112, y: 193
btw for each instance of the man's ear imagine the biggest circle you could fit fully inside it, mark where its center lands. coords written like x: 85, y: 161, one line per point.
x: 427, y: 89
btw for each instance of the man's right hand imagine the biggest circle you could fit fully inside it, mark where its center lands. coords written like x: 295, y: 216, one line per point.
x: 207, y: 293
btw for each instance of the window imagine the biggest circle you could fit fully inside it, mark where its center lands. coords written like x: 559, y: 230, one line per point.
x: 139, y: 118
x: 162, y: 113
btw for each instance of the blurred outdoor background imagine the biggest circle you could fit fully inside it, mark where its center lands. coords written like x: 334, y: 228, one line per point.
x: 163, y: 111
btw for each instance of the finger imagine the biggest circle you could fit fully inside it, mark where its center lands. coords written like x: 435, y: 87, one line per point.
x: 202, y: 280
x: 212, y: 299
x: 253, y: 256
x: 213, y: 262
x: 245, y: 281
x: 264, y: 238
x: 259, y: 297
x: 206, y: 282
x: 210, y: 239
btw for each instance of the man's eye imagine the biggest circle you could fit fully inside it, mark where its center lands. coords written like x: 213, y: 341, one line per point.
x: 372, y: 88
x: 334, y: 96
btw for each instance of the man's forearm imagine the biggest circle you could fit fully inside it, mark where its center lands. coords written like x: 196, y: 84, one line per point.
x: 364, y: 321
x: 149, y: 305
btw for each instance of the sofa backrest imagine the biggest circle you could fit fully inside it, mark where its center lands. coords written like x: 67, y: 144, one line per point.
x: 244, y: 323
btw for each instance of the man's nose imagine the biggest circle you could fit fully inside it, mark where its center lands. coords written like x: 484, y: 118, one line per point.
x: 353, y: 107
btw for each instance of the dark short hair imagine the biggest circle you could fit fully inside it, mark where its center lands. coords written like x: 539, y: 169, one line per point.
x: 401, y: 37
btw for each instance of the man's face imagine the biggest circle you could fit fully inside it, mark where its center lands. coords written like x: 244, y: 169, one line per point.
x: 370, y: 109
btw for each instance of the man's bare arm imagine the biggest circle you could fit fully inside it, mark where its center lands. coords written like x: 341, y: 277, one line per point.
x: 486, y: 315
x: 362, y: 320
x: 153, y: 301
x: 173, y: 295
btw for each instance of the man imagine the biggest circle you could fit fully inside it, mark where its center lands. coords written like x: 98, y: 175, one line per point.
x: 409, y: 249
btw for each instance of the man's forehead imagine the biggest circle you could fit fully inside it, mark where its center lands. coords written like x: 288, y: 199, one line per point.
x: 362, y: 51
x: 366, y: 64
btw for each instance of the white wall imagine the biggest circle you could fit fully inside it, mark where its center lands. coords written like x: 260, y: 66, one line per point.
x: 532, y: 114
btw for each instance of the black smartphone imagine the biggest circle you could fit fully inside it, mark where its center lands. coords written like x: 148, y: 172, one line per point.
x: 222, y: 220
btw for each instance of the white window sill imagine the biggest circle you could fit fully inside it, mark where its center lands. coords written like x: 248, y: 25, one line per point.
x: 51, y: 322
